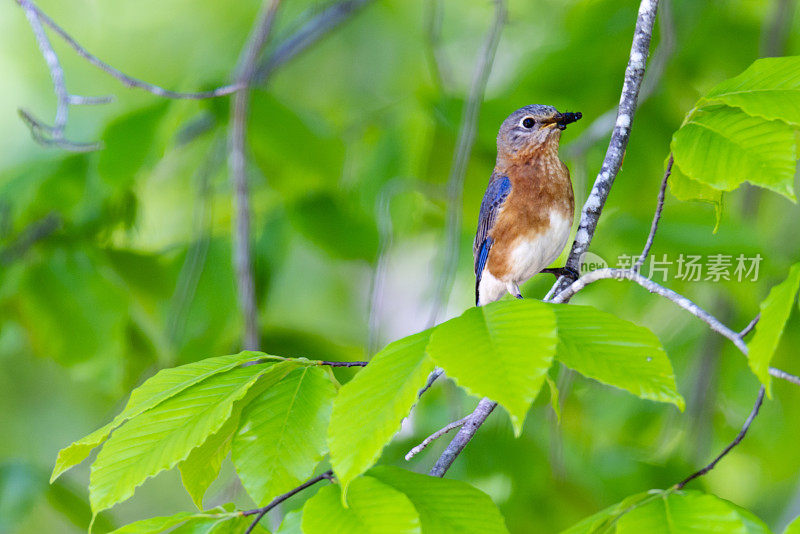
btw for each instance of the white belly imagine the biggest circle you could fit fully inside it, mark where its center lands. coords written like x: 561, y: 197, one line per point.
x: 532, y: 255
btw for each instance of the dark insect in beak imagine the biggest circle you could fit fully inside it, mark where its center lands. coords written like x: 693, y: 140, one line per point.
x: 562, y: 119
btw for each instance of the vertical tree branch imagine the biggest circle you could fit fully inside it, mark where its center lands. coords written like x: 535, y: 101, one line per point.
x: 466, y: 138
x: 237, y: 162
x: 619, y: 138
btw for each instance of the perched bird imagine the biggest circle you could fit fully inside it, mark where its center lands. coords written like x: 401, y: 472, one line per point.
x: 527, y: 210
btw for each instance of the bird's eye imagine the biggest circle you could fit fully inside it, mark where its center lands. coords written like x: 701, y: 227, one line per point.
x: 528, y: 122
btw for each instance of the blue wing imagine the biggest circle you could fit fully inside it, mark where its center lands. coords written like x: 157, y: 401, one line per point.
x: 496, y: 192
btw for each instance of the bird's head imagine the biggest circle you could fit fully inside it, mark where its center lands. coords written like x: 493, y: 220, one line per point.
x: 532, y: 128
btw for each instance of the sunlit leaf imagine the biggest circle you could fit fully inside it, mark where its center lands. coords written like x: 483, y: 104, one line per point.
x: 369, y: 409
x: 769, y: 88
x: 616, y: 352
x: 282, y: 434
x: 775, y: 310
x: 186, y: 523
x: 372, y: 508
x: 501, y: 351
x: 163, y: 436
x: 444, y: 506
x: 680, y: 512
x: 724, y: 147
x: 151, y: 393
x: 685, y: 188
x: 793, y: 527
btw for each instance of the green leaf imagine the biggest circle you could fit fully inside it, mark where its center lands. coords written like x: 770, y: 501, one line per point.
x: 373, y: 508
x: 793, y: 527
x: 769, y: 88
x: 282, y: 434
x: 775, y: 310
x: 369, y: 409
x: 667, y: 512
x: 501, y: 351
x: 128, y: 141
x: 685, y: 188
x: 723, y: 147
x: 444, y: 506
x: 291, y: 523
x: 553, y: 397
x: 163, y: 436
x: 155, y: 525
x: 201, y: 467
x: 155, y: 390
x: 615, y: 352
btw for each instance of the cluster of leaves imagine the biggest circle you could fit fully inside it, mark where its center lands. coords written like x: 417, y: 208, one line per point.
x: 277, y: 417
x: 750, y: 125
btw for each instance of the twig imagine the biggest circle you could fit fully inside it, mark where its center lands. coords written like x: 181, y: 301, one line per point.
x: 751, y: 325
x: 29, y: 236
x: 591, y: 209
x: 777, y: 373
x: 436, y: 435
x: 471, y: 425
x: 237, y: 161
x: 436, y: 373
x: 344, y: 364
x: 734, y: 443
x: 128, y: 81
x: 310, y: 33
x: 261, y: 512
x: 656, y: 217
x: 466, y: 138
x: 612, y: 162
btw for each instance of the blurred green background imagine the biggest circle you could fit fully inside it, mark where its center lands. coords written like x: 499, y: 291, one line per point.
x: 351, y: 145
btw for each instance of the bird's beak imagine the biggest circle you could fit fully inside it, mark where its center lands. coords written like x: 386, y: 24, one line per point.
x: 562, y: 119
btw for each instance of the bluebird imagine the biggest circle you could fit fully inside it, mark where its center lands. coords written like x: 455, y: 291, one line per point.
x: 528, y: 208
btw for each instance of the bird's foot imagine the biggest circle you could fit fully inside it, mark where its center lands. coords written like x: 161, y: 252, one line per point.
x: 514, y: 290
x: 569, y: 272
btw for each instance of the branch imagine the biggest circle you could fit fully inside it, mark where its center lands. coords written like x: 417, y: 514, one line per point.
x: 656, y: 217
x: 436, y: 435
x: 466, y: 138
x: 237, y: 161
x: 619, y: 139
x: 314, y: 30
x: 750, y: 326
x: 127, y: 80
x: 344, y: 364
x: 591, y: 209
x: 29, y: 236
x: 261, y: 512
x: 731, y: 445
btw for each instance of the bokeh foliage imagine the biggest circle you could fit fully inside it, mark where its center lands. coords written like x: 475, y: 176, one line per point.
x: 137, y: 275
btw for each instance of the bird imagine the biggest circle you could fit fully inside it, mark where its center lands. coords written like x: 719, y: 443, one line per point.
x: 527, y: 211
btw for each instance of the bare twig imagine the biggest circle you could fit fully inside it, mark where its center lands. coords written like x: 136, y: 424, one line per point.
x: 436, y: 373
x: 261, y: 512
x: 466, y: 138
x: 750, y: 326
x: 436, y: 435
x: 656, y: 217
x: 634, y: 73
x: 591, y: 209
x: 237, y: 161
x: 344, y: 364
x: 128, y: 81
x: 777, y: 373
x: 739, y: 437
x: 471, y: 425
x: 29, y: 236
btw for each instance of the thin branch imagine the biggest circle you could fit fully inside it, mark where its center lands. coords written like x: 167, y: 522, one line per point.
x: 436, y: 373
x: 314, y: 30
x: 471, y: 425
x: 436, y: 435
x: 261, y: 512
x: 739, y: 437
x: 466, y: 138
x: 751, y: 325
x: 29, y: 235
x: 126, y: 80
x: 237, y: 161
x: 634, y: 73
x: 777, y: 373
x: 344, y: 364
x: 656, y: 217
